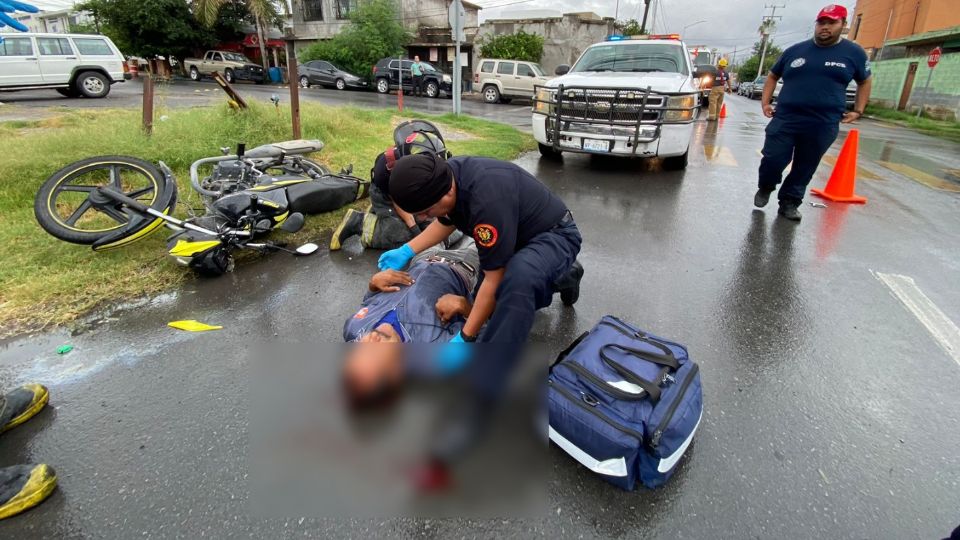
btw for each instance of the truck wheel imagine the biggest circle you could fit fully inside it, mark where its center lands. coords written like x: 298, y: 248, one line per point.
x: 228, y: 75
x: 432, y: 89
x: 93, y: 84
x: 676, y: 163
x: 194, y: 73
x: 491, y: 94
x: 548, y: 152
x: 383, y: 86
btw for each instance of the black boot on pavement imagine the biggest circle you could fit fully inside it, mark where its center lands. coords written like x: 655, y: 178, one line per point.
x: 790, y: 210
x: 351, y: 225
x: 569, y: 284
x: 761, y: 198
x: 17, y: 406
x: 24, y: 486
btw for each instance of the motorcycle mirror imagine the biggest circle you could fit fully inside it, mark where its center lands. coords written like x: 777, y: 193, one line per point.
x: 307, y: 249
x: 293, y: 223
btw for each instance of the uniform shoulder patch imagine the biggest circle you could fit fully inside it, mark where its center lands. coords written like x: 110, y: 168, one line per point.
x: 485, y: 235
x: 362, y: 313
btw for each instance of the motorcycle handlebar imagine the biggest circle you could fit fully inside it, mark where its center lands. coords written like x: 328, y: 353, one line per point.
x: 195, y: 174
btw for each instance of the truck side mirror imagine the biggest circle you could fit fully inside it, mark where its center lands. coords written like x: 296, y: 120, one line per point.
x: 697, y: 72
x: 562, y: 69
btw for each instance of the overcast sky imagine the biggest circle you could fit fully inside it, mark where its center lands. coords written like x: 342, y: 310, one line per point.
x: 729, y: 23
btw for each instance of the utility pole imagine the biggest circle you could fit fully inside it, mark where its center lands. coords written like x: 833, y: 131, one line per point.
x: 765, y: 26
x: 646, y: 10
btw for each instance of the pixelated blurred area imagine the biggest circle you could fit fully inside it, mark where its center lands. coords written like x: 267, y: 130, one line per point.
x: 358, y: 430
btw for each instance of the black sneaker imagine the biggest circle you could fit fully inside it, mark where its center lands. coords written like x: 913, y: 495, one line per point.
x: 19, y: 405
x: 569, y: 284
x: 24, y: 486
x: 351, y: 225
x: 761, y: 198
x: 790, y: 211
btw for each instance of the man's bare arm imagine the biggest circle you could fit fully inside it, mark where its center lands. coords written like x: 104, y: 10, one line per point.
x: 484, y: 303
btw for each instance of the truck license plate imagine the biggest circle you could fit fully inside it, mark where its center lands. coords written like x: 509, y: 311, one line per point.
x: 596, y: 146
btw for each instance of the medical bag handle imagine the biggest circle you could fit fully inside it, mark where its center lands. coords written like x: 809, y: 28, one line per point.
x: 659, y: 359
x: 640, y: 335
x: 651, y: 388
x: 563, y: 354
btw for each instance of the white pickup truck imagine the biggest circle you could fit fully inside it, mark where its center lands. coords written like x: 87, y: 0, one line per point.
x: 233, y: 66
x: 632, y: 97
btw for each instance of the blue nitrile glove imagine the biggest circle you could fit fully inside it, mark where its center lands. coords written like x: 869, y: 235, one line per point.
x: 395, y: 259
x: 9, y: 6
x: 454, y: 355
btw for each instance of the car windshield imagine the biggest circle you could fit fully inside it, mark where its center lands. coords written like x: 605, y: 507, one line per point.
x: 703, y: 58
x: 428, y: 67
x: 633, y: 57
x: 234, y: 57
x: 538, y: 70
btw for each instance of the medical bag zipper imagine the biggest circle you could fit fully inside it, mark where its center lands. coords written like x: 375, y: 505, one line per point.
x: 665, y: 421
x: 590, y: 409
x: 607, y: 387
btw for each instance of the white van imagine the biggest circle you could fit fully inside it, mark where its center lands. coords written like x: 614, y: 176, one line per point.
x: 73, y: 64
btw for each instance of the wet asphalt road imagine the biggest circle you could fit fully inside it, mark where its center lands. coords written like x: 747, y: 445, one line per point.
x: 831, y: 410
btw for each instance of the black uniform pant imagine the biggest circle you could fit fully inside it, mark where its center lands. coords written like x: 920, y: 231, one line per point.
x: 805, y: 146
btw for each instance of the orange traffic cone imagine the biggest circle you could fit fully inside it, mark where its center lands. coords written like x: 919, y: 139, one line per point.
x: 844, y: 176
x: 723, y: 110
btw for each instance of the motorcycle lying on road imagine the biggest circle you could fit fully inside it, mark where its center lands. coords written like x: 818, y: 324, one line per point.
x: 111, y: 201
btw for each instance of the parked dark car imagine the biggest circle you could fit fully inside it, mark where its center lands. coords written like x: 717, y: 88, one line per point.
x: 386, y: 77
x: 323, y: 73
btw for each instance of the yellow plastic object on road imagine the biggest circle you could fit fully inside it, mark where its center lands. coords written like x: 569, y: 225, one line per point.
x: 192, y: 326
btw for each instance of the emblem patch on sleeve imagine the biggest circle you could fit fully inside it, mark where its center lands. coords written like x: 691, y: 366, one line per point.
x: 485, y: 235
x: 361, y: 314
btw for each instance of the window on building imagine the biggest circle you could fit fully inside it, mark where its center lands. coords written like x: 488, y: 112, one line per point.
x: 856, y: 26
x: 93, y: 46
x: 16, y: 47
x: 487, y: 67
x: 54, y: 46
x: 312, y: 10
x: 344, y: 8
x: 524, y: 70
x: 505, y: 68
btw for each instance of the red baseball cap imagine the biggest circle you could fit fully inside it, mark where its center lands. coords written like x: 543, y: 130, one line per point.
x: 834, y: 12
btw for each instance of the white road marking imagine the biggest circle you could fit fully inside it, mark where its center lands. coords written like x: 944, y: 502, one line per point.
x: 933, y: 318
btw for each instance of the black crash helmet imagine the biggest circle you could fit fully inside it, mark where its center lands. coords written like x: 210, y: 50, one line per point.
x: 415, y: 137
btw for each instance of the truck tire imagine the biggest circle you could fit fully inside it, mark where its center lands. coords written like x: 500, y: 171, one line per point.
x: 433, y: 89
x: 194, y: 73
x: 491, y: 94
x: 547, y: 151
x: 228, y: 75
x: 676, y: 163
x: 383, y: 86
x: 92, y: 84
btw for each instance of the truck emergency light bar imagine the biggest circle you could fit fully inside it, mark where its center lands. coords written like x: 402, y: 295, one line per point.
x: 618, y: 37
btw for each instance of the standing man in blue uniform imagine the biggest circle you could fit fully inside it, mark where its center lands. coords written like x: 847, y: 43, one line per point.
x: 526, y: 237
x: 809, y: 109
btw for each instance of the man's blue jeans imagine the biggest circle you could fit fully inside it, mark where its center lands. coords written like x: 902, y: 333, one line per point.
x: 805, y: 145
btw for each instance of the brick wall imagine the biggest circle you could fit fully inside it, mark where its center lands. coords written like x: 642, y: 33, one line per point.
x: 941, y: 101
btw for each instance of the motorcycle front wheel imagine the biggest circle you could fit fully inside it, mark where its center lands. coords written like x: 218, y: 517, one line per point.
x: 63, y: 208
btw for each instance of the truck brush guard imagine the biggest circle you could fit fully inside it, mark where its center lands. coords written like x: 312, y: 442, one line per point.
x: 620, y: 112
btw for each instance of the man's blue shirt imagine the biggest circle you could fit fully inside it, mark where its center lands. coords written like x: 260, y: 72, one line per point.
x: 815, y: 81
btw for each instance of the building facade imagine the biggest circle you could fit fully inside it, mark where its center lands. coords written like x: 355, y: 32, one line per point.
x: 564, y: 37
x: 315, y: 20
x: 876, y: 21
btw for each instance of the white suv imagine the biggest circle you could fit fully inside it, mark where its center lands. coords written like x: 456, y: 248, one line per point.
x: 635, y: 97
x: 503, y: 80
x: 73, y: 64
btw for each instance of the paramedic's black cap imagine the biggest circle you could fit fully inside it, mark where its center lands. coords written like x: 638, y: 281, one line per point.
x: 419, y: 181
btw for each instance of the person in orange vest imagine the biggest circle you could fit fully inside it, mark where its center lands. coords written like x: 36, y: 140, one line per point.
x: 721, y: 84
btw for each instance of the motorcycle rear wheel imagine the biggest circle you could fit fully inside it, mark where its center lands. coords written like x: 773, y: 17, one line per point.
x: 62, y: 205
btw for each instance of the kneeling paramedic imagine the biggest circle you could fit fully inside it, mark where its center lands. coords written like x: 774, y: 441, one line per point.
x: 526, y: 237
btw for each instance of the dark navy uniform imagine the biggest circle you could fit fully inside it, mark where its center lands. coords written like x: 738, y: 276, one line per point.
x: 808, y: 112
x: 519, y: 225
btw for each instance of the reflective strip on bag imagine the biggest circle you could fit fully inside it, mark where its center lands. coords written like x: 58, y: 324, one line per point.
x: 609, y: 467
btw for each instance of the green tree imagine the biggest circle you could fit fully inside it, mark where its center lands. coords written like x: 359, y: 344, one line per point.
x: 374, y: 32
x: 630, y: 27
x: 148, y: 29
x: 263, y: 13
x: 748, y: 70
x: 519, y: 46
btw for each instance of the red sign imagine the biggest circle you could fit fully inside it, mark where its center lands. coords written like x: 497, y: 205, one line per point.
x: 934, y: 57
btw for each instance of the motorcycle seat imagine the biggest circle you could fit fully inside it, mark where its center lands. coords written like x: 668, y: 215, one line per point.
x: 289, y: 148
